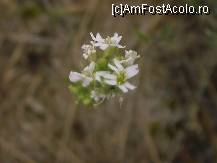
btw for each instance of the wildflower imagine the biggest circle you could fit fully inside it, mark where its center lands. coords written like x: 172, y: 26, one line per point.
x: 105, y: 43
x: 120, y: 76
x: 108, y: 72
x: 130, y: 57
x: 86, y: 77
x: 88, y: 50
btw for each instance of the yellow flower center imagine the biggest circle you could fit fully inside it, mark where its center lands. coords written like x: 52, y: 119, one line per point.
x: 121, y: 78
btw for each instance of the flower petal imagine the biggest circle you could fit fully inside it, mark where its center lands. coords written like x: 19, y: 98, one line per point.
x: 106, y: 75
x: 75, y: 76
x: 104, y: 46
x: 131, y: 71
x: 113, y: 68
x: 123, y: 88
x: 129, y: 86
x: 116, y: 39
x: 92, y: 67
x: 100, y: 74
x: 89, y: 69
x: 110, y: 76
x: 111, y: 82
x: 118, y: 65
x: 99, y: 38
x: 86, y: 81
x: 99, y: 44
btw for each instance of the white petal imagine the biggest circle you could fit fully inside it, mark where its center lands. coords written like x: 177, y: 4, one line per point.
x: 116, y: 39
x: 118, y: 65
x: 99, y: 38
x: 113, y: 68
x: 99, y: 44
x: 92, y: 67
x: 104, y: 46
x: 86, y: 81
x: 75, y: 76
x: 110, y: 76
x: 132, y: 71
x: 100, y: 74
x: 89, y: 69
x: 107, y: 76
x: 111, y: 82
x: 129, y: 86
x: 123, y: 88
x: 98, y: 77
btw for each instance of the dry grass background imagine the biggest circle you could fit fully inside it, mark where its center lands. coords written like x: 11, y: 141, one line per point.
x: 170, y: 118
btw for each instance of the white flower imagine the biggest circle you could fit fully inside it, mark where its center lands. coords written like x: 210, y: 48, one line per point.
x: 130, y: 57
x: 88, y: 50
x: 103, y: 44
x: 108, y: 72
x: 86, y: 77
x: 120, y: 76
x: 97, y: 96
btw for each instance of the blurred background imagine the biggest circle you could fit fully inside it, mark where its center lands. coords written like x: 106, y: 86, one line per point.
x: 170, y: 118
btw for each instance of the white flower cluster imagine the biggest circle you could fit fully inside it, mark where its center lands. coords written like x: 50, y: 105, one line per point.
x: 108, y: 72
